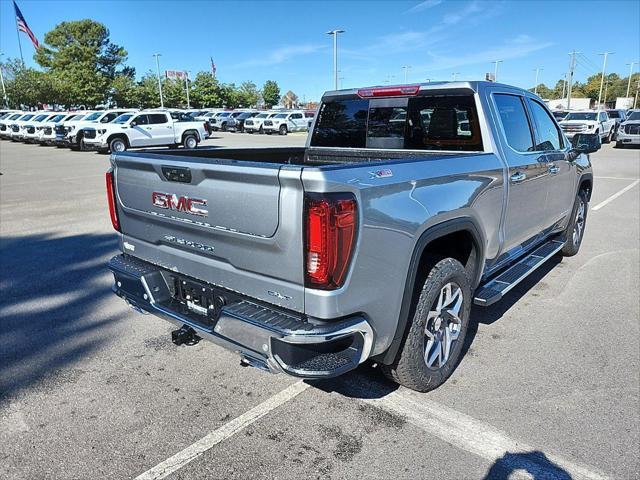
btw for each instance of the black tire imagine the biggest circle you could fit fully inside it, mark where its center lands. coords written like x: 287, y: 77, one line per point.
x: 609, y: 137
x: 190, y: 141
x: 573, y: 234
x: 619, y: 145
x: 117, y: 144
x: 261, y: 130
x: 224, y: 127
x: 282, y: 130
x: 410, y: 367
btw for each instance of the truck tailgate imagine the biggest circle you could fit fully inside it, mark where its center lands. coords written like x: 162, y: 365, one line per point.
x: 237, y: 225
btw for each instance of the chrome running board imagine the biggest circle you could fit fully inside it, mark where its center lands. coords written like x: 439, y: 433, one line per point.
x: 493, y: 291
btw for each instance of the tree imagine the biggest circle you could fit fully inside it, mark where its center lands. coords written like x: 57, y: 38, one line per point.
x: 271, y: 93
x: 124, y: 91
x: 147, y: 91
x: 248, y: 94
x: 173, y: 93
x: 81, y: 60
x: 27, y: 86
x: 543, y: 91
x: 207, y: 92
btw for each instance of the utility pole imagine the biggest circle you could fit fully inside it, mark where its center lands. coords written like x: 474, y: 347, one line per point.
x: 455, y: 75
x: 335, y: 56
x: 535, y: 88
x: 564, y: 85
x: 495, y: 70
x: 630, y: 74
x: 604, y: 66
x: 186, y: 84
x: 572, y: 66
x: 406, y: 72
x: 159, y: 81
x: 635, y: 101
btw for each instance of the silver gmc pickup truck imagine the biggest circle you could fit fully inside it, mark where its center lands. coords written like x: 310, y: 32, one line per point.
x: 408, y: 204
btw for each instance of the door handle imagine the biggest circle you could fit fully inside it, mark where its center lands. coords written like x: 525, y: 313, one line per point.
x: 552, y: 168
x: 518, y: 177
x: 147, y: 128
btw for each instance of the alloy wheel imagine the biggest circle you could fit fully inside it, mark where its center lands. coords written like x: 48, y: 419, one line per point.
x: 443, y: 326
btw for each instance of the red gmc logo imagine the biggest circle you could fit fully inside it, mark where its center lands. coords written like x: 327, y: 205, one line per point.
x: 171, y: 201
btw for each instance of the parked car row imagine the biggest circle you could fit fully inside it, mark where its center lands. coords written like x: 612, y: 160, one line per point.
x: 259, y: 121
x: 604, y: 122
x: 105, y: 130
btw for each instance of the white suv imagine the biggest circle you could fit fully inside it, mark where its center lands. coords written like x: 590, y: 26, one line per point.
x: 285, y: 122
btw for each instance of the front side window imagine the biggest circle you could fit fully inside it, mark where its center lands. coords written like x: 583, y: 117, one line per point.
x: 157, y: 118
x: 514, y: 122
x: 614, y: 114
x: 603, y: 117
x: 93, y: 116
x: 141, y: 120
x: 548, y: 136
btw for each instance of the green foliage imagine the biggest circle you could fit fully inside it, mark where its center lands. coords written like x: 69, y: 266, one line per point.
x: 27, y: 86
x: 206, y: 92
x: 81, y: 61
x: 271, y: 93
x: 248, y: 94
x: 543, y: 91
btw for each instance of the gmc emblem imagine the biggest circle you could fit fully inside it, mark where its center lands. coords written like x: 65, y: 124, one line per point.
x: 181, y: 204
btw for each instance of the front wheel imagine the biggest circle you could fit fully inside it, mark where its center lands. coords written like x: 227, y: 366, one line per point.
x: 609, y: 137
x: 282, y: 130
x: 223, y: 127
x: 433, y: 344
x: 117, y: 145
x: 190, y: 141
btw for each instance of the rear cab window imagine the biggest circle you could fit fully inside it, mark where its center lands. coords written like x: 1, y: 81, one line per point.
x: 427, y: 122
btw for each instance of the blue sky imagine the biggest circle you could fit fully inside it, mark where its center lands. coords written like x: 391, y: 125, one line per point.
x: 286, y: 41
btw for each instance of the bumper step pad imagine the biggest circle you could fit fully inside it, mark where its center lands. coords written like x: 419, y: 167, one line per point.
x: 494, y: 289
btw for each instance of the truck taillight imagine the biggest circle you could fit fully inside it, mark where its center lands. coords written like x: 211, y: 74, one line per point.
x: 331, y: 223
x: 111, y: 198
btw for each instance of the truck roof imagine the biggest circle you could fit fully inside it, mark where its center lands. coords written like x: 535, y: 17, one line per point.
x: 414, y: 88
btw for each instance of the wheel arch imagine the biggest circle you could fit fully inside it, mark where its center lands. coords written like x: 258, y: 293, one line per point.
x: 586, y: 183
x: 118, y: 135
x: 430, y: 242
x: 191, y: 131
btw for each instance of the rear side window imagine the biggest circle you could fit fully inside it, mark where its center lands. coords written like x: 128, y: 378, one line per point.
x: 156, y: 118
x: 514, y: 122
x: 548, y: 136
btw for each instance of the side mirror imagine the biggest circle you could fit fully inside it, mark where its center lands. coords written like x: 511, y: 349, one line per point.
x: 133, y: 124
x: 586, y: 142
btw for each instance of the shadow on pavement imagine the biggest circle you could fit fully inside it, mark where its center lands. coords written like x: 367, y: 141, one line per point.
x: 535, y: 463
x: 51, y: 292
x: 489, y: 315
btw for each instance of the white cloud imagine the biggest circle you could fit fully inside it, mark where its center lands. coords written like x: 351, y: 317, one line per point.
x: 424, y: 6
x: 281, y: 55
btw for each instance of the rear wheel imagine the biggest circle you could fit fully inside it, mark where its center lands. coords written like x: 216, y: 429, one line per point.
x: 190, y: 141
x: 575, y: 229
x: 117, y: 144
x: 433, y: 344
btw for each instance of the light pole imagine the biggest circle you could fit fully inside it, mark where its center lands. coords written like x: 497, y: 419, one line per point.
x: 335, y: 56
x: 535, y: 88
x: 455, y: 75
x: 4, y: 91
x: 406, y: 72
x: 186, y: 84
x: 495, y: 70
x: 159, y: 82
x: 604, y: 67
x: 630, y: 74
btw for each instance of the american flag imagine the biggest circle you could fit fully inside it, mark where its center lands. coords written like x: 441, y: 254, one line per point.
x: 23, y: 27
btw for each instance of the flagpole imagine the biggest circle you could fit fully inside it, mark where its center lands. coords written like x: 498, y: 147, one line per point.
x: 18, y: 32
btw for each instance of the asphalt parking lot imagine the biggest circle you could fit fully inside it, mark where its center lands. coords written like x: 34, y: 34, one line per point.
x: 549, y: 387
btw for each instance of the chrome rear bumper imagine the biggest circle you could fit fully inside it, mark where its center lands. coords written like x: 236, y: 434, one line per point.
x: 268, y: 338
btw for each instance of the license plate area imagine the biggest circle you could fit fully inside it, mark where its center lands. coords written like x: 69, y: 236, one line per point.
x: 200, y: 301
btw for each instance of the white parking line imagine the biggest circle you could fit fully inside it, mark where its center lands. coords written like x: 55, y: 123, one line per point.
x: 193, y: 451
x: 485, y: 441
x: 615, y: 178
x: 615, y: 195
